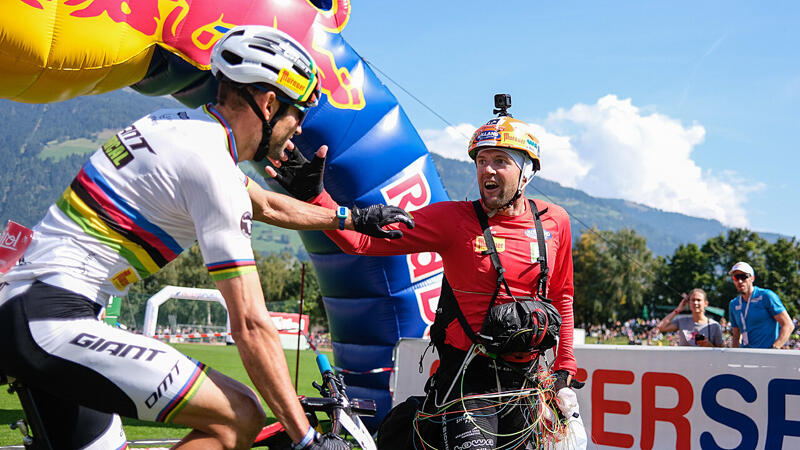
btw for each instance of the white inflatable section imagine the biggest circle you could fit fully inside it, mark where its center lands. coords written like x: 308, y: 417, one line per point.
x: 183, y: 293
x: 288, y: 324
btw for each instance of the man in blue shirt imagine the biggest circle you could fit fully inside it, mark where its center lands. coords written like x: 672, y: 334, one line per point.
x: 758, y: 318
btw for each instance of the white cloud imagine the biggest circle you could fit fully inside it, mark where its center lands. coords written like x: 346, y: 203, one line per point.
x: 451, y: 142
x: 612, y: 149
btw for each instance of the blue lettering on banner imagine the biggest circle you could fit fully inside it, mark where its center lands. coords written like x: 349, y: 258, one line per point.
x: 728, y: 417
x: 777, y: 425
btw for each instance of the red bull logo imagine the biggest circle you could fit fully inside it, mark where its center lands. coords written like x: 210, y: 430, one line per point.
x: 190, y: 29
x: 423, y: 265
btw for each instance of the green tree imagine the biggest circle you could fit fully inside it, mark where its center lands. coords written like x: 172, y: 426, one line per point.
x: 782, y: 273
x: 587, y: 256
x: 723, y: 252
x: 612, y: 273
x: 686, y: 269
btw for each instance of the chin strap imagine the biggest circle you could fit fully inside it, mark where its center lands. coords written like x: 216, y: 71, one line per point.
x: 266, y: 126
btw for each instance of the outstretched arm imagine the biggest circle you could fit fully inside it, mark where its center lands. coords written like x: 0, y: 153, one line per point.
x: 302, y: 179
x: 286, y: 212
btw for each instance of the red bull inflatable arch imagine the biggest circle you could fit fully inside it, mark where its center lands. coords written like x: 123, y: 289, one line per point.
x: 53, y: 50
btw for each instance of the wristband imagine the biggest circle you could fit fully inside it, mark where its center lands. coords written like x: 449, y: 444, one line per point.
x: 341, y: 213
x: 307, y: 439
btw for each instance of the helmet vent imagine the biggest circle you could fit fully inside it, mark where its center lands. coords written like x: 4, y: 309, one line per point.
x: 231, y: 58
x: 269, y: 67
x: 237, y: 33
x: 262, y: 48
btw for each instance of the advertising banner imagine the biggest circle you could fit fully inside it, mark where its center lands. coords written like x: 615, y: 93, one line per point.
x: 666, y: 397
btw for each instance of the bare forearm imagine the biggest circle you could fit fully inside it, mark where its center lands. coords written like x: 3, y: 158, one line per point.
x: 735, y: 338
x: 783, y: 335
x: 287, y: 212
x: 262, y: 356
x: 666, y: 323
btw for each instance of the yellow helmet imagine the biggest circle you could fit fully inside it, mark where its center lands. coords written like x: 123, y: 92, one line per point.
x: 506, y: 132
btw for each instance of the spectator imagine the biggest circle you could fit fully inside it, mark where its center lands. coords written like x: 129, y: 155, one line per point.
x: 758, y: 318
x: 697, y: 329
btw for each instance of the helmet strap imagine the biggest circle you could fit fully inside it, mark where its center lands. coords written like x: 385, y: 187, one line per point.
x: 518, y: 194
x: 266, y: 126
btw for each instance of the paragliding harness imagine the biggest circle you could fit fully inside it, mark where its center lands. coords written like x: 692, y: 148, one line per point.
x: 523, y: 325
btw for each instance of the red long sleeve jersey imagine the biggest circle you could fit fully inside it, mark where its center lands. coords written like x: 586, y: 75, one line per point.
x: 451, y: 229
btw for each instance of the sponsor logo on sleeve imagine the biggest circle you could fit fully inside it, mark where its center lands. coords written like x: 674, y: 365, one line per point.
x: 246, y: 224
x: 125, y: 277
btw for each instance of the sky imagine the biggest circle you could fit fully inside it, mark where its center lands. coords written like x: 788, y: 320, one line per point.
x: 690, y: 107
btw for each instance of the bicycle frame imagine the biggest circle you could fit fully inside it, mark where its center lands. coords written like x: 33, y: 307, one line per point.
x: 32, y: 421
x: 344, y: 412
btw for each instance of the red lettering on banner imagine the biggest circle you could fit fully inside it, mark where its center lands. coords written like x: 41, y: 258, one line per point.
x: 601, y: 406
x: 427, y: 302
x: 410, y: 192
x: 675, y: 416
x: 423, y: 265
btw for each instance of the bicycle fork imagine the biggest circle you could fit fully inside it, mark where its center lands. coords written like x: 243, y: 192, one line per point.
x: 39, y: 440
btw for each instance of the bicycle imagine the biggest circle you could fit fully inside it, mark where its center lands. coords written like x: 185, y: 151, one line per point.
x: 343, y: 414
x: 32, y: 421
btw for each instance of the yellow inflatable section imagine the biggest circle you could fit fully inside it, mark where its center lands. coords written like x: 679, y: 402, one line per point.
x: 54, y: 50
x: 50, y: 51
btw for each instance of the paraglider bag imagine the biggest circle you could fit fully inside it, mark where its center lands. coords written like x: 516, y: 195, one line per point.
x: 521, y: 326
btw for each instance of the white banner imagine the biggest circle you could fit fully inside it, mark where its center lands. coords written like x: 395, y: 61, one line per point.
x: 666, y: 397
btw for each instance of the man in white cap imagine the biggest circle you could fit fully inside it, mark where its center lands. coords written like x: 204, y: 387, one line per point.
x: 758, y: 318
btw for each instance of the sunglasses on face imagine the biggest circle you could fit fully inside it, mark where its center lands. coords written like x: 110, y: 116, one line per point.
x: 741, y: 276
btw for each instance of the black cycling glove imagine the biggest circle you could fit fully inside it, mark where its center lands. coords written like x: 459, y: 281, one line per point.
x: 301, y: 179
x: 371, y: 219
x: 329, y: 442
x: 561, y: 381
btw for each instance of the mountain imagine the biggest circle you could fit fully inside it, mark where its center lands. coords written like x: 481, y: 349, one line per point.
x: 43, y: 146
x: 663, y: 230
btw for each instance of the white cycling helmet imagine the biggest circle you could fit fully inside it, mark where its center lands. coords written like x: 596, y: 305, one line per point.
x: 253, y: 54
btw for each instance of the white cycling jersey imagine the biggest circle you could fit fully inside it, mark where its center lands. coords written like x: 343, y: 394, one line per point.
x: 151, y: 191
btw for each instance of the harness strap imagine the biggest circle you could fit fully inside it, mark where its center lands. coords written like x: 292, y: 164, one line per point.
x: 448, y: 304
x: 447, y: 293
x: 542, y: 259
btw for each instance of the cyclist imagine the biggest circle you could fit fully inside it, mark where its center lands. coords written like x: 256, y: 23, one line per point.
x: 506, y: 156
x: 161, y: 184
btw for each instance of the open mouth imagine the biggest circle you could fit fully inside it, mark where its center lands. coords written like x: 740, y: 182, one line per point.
x: 490, y: 185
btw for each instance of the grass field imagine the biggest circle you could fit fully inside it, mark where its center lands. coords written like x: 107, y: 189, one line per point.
x: 56, y: 151
x: 223, y: 358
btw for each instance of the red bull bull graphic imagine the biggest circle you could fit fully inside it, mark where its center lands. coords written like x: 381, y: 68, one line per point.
x: 185, y: 29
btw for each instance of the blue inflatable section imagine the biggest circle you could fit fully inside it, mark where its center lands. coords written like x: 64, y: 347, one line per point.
x: 375, y: 156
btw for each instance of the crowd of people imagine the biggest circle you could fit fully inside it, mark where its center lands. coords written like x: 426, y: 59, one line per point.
x: 769, y: 325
